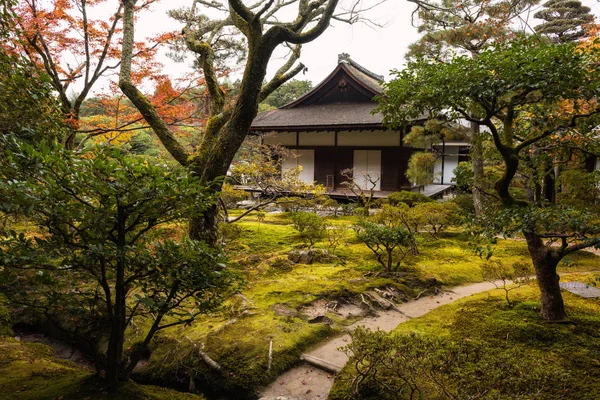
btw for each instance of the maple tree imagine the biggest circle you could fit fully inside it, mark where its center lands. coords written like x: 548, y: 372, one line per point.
x: 113, y: 118
x: 211, y: 39
x: 28, y: 109
x: 62, y: 40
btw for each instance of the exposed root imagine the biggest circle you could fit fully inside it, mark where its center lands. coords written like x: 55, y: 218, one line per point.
x: 212, y: 364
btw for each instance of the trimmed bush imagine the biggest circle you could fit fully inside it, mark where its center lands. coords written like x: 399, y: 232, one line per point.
x: 409, y: 198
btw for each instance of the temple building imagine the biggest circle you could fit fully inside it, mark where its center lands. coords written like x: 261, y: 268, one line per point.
x: 333, y: 128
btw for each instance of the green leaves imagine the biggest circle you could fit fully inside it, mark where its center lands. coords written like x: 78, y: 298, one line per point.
x: 519, y: 73
x: 101, y: 241
x: 385, y: 241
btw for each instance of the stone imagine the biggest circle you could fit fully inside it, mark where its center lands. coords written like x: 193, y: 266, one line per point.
x: 284, y: 311
x: 310, y: 256
x: 581, y: 289
x: 320, y: 319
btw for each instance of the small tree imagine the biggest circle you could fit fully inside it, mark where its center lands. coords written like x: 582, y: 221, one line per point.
x: 363, y: 192
x: 502, y: 276
x: 99, y: 260
x: 390, y: 245
x: 436, y: 216
x: 311, y: 227
x: 400, y: 215
x: 336, y: 235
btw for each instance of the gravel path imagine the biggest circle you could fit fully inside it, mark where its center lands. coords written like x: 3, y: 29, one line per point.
x: 306, y: 382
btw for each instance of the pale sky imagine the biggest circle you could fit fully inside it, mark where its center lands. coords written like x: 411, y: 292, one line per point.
x: 377, y: 49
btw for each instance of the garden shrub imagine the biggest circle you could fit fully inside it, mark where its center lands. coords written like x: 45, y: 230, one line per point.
x: 409, y: 198
x: 310, y: 226
x: 390, y: 244
x: 436, y: 216
x: 399, y: 366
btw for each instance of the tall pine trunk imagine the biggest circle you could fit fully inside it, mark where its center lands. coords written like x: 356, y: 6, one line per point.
x: 476, y: 153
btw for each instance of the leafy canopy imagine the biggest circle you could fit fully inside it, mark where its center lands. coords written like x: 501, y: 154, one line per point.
x: 100, y: 257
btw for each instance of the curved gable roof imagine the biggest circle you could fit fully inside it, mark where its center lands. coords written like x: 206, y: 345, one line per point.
x: 343, y: 100
x: 363, y: 83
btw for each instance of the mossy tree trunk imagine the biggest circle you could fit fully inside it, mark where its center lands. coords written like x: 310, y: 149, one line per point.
x: 545, y: 263
x: 545, y: 258
x: 476, y: 153
x: 226, y: 128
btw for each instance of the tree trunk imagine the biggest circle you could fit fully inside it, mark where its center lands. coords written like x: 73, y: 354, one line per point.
x: 553, y: 307
x: 114, y: 354
x: 476, y: 153
x: 205, y: 227
x: 549, y: 182
x: 118, y: 319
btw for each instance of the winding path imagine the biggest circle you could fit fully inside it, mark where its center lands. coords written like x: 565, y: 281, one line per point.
x: 308, y: 381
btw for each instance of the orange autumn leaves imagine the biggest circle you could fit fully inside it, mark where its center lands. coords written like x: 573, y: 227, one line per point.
x: 113, y: 119
x: 77, y: 43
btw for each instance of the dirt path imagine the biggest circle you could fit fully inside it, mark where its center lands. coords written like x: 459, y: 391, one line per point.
x: 306, y: 382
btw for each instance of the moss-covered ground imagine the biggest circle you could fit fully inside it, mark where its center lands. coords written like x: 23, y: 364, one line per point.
x: 239, y: 336
x: 269, y: 308
x: 570, y: 352
x: 31, y: 371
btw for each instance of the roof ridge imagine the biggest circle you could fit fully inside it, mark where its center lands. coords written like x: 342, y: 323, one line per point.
x: 345, y: 58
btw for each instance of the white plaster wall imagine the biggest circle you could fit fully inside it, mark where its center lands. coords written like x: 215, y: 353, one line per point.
x: 368, y: 138
x: 437, y: 171
x: 282, y: 138
x: 450, y: 163
x: 316, y: 139
x: 306, y: 160
x: 366, y: 168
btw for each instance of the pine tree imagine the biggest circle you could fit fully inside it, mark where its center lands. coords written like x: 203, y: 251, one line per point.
x: 465, y: 27
x: 564, y: 20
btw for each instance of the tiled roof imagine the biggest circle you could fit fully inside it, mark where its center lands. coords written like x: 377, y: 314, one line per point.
x: 310, y: 112
x: 321, y: 116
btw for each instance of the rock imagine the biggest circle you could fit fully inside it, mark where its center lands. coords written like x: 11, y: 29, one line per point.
x: 383, y: 303
x: 310, y: 256
x: 320, y: 319
x: 245, y: 204
x: 284, y: 311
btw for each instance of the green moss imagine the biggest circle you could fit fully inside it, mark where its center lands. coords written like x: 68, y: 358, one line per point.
x: 519, y: 335
x: 5, y: 319
x: 30, y: 371
x: 238, y: 336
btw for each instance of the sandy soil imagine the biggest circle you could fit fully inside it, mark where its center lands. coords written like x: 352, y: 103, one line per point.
x: 309, y: 383
x: 301, y: 383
